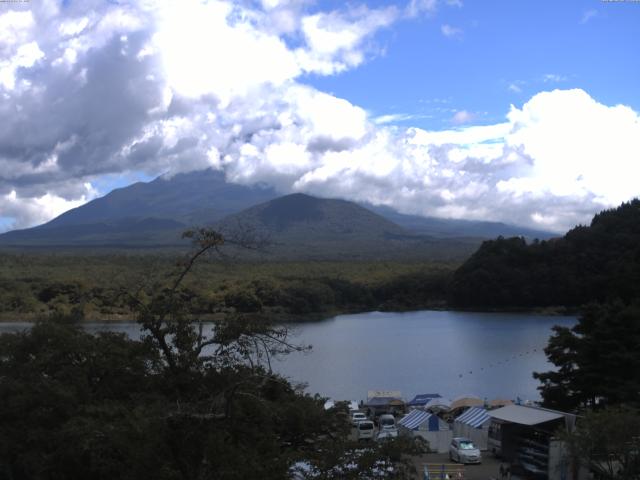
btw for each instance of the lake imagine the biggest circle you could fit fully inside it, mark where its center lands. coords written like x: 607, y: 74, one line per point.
x: 452, y: 353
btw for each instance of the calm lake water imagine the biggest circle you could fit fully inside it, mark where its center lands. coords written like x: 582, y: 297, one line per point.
x: 452, y: 353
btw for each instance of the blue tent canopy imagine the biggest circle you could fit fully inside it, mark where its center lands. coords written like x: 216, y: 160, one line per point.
x: 474, y: 417
x: 419, y: 417
x: 422, y: 399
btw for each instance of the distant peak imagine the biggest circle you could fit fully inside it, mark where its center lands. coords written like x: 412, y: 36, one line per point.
x: 297, y: 196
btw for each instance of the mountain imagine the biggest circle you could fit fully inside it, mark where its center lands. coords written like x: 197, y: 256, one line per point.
x: 145, y: 213
x: 449, y: 227
x: 303, y: 217
x: 187, y: 198
x: 153, y: 214
x: 127, y: 232
x: 598, y: 262
x: 300, y: 226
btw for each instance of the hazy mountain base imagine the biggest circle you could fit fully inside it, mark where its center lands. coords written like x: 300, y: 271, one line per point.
x: 37, y: 285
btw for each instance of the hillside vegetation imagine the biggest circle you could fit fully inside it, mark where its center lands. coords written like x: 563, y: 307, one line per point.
x: 598, y: 262
x: 35, y: 285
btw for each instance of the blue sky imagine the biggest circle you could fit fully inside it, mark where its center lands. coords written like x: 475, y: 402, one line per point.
x: 528, y: 45
x: 525, y: 112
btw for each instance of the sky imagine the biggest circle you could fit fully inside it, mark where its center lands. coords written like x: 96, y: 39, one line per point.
x: 523, y: 112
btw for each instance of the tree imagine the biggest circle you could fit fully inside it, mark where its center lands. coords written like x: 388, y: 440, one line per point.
x: 185, y: 401
x: 600, y: 262
x: 597, y: 360
x: 607, y: 442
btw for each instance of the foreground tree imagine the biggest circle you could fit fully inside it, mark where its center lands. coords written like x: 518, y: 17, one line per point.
x: 607, y: 442
x: 186, y: 401
x: 597, y: 360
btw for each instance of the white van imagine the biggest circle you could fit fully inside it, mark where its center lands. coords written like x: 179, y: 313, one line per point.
x: 365, y: 430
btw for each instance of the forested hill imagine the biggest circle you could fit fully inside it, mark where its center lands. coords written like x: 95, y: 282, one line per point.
x: 590, y: 263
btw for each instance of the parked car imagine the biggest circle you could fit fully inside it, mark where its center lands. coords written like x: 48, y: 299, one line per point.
x: 463, y: 450
x: 386, y: 434
x: 386, y: 422
x: 365, y: 430
x: 357, y: 417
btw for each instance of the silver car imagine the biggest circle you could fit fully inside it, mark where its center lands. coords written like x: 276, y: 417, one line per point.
x: 463, y: 450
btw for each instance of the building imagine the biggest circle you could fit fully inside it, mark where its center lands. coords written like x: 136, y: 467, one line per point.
x: 384, y: 401
x: 525, y: 437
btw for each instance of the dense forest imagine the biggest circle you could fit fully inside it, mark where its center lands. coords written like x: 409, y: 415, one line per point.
x: 598, y: 262
x: 95, y: 286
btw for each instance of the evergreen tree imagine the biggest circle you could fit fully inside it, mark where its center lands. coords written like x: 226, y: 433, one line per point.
x: 598, y: 360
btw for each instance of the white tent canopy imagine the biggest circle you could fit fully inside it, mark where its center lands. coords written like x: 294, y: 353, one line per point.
x: 419, y: 423
x: 473, y: 424
x: 474, y: 417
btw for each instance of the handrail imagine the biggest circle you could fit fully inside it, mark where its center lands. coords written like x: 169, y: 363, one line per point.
x: 442, y: 471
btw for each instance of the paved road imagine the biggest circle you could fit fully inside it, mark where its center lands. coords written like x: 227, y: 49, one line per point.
x: 487, y: 470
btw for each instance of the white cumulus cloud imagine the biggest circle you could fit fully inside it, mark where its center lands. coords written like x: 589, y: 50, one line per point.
x: 165, y: 87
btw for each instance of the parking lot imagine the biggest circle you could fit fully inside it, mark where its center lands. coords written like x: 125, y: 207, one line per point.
x: 487, y: 470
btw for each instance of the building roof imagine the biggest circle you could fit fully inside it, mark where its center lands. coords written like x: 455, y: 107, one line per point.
x: 423, y: 398
x: 441, y: 403
x: 525, y: 415
x: 383, y: 393
x: 384, y: 401
x: 475, y: 417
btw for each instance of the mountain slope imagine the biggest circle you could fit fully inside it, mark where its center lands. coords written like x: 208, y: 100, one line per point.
x: 449, y: 227
x: 185, y: 197
x: 142, y: 214
x: 595, y: 263
x: 302, y: 226
x: 303, y: 216
x: 119, y: 233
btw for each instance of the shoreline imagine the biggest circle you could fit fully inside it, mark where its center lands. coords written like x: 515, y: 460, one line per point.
x: 286, y: 317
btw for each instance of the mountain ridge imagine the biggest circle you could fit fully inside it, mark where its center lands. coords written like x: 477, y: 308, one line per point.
x: 156, y: 212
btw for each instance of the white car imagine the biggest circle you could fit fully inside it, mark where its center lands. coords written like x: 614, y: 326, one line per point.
x: 463, y: 450
x: 357, y: 417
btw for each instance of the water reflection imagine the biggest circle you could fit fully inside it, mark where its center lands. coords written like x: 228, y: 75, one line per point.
x: 451, y: 353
